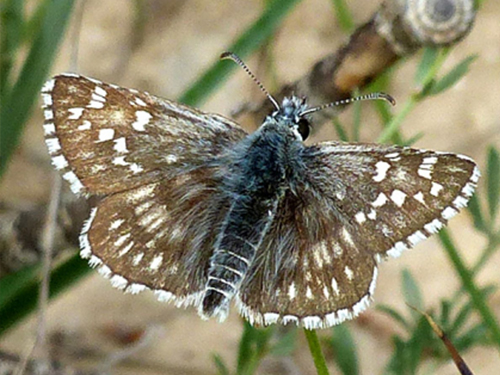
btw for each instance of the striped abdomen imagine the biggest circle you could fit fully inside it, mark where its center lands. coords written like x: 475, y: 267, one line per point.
x: 243, y: 230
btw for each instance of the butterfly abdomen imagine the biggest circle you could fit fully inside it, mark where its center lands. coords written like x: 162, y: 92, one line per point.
x: 243, y: 230
x: 257, y: 183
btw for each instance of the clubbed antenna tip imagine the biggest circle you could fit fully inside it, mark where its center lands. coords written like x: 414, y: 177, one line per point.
x: 371, y: 96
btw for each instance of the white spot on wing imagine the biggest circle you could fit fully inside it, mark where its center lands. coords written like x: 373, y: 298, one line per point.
x: 380, y: 201
x: 360, y: 217
x: 100, y: 91
x: 95, y: 104
x: 348, y: 272
x: 309, y: 294
x: 419, y: 197
x: 120, y: 145
x: 436, y: 188
x: 398, y: 197
x: 119, y: 282
x: 106, y: 135
x: 75, y: 113
x: 156, y: 262
x: 335, y: 286
x: 292, y: 292
x: 85, y: 126
x: 115, y: 224
x: 397, y: 249
x: 137, y: 259
x: 372, y: 215
x: 382, y: 168
x: 142, y: 118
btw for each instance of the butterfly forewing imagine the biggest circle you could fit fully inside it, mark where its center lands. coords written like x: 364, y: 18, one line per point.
x: 106, y: 138
x: 357, y: 203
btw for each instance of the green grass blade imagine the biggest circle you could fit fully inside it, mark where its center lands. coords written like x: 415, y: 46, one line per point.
x: 16, y: 107
x: 344, y: 16
x: 426, y: 66
x: 394, y: 315
x: 493, y: 182
x: 475, y: 294
x: 339, y: 128
x: 316, y: 352
x: 12, y: 20
x: 248, y: 42
x: 474, y: 208
x: 26, y: 299
x: 11, y: 284
x: 453, y: 76
x: 412, y: 293
x: 220, y: 365
x: 344, y: 349
x: 286, y: 344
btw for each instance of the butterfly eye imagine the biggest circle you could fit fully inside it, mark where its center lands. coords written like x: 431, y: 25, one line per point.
x: 304, y: 127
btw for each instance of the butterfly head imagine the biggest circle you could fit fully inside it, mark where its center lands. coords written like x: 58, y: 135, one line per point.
x: 291, y: 114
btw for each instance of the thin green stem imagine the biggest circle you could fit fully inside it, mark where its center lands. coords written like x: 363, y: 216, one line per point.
x: 468, y: 283
x: 317, y: 354
x: 393, y: 127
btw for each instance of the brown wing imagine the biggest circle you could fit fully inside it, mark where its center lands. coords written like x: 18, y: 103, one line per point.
x: 105, y: 139
x: 353, y: 205
x: 158, y: 236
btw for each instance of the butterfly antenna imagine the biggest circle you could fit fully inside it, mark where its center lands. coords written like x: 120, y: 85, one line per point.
x: 371, y: 96
x: 237, y: 60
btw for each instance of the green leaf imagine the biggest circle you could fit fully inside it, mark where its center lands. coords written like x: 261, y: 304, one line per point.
x: 343, y: 15
x: 26, y: 299
x: 344, y: 350
x: 248, y: 42
x: 286, y: 344
x: 410, y: 142
x: 411, y: 292
x: 445, y: 313
x: 493, y: 182
x: 394, y: 314
x: 453, y: 76
x: 339, y: 128
x: 12, y: 19
x: 426, y: 66
x: 422, y: 336
x: 253, y: 346
x: 11, y: 284
x: 221, y: 366
x: 16, y: 107
x: 474, y: 208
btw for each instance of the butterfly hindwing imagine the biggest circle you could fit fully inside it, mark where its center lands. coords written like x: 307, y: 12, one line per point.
x: 158, y: 236
x: 356, y: 204
x: 104, y: 138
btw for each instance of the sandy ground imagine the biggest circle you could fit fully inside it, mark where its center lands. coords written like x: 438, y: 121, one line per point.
x: 182, y: 38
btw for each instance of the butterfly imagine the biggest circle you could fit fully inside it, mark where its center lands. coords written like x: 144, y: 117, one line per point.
x: 202, y: 213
